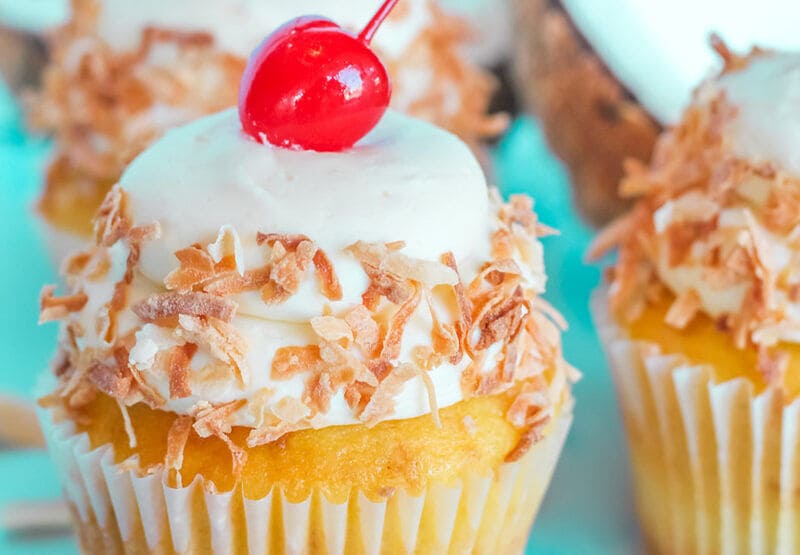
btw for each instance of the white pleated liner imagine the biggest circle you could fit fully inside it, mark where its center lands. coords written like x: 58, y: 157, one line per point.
x: 146, y: 509
x: 716, y: 467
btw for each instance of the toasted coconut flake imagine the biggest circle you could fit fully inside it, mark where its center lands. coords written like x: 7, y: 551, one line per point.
x: 681, y: 238
x: 291, y: 410
x: 357, y: 395
x: 683, y: 309
x: 318, y: 392
x: 387, y: 259
x: 126, y: 419
x: 519, y: 210
x: 289, y: 361
x: 112, y: 379
x: 365, y: 329
x: 222, y: 339
x: 215, y: 421
x: 344, y: 366
x: 464, y: 323
x: 179, y: 360
x: 94, y: 264
x: 56, y: 308
x: 162, y: 306
x: 528, y: 439
x: 531, y: 399
x: 143, y: 233
x: 196, y: 266
x: 307, y: 251
x: 444, y: 339
x: 286, y: 240
x: 329, y: 281
x: 431, y: 391
x: 177, y: 437
x: 381, y: 403
x: 150, y: 395
x: 501, y: 320
x: 227, y: 247
x: 470, y: 377
x: 392, y: 341
x: 111, y: 223
x: 330, y: 328
x: 119, y: 300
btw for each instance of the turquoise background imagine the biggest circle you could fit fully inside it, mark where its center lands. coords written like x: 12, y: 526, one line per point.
x: 587, y: 509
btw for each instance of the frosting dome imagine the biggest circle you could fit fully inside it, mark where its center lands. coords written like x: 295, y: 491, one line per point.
x: 407, y: 180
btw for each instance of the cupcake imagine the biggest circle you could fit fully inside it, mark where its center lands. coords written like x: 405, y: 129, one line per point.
x: 605, y: 80
x: 276, y: 349
x: 700, y: 317
x: 123, y: 72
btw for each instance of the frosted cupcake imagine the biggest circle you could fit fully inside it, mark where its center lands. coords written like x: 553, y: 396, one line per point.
x: 294, y: 351
x: 123, y: 72
x: 701, y: 317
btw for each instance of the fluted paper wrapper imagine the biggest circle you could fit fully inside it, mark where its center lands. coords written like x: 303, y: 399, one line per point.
x: 118, y: 510
x: 716, y: 467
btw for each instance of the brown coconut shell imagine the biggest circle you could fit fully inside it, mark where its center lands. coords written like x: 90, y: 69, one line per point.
x: 589, y: 119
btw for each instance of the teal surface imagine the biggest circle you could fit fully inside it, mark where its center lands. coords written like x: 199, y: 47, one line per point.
x: 587, y: 509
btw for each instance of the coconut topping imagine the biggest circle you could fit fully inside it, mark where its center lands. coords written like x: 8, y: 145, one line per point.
x: 717, y: 223
x: 277, y: 324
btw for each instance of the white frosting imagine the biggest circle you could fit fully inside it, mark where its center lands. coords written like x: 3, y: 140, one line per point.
x: 660, y: 51
x: 240, y: 25
x: 767, y: 97
x: 406, y: 180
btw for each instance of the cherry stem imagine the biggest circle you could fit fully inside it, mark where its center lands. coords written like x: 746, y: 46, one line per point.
x: 369, y: 31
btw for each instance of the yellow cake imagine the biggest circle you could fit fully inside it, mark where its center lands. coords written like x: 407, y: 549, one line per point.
x: 287, y: 351
x: 123, y: 72
x: 700, y: 317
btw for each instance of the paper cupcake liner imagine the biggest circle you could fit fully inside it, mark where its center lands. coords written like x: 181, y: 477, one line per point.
x: 116, y: 509
x: 716, y: 467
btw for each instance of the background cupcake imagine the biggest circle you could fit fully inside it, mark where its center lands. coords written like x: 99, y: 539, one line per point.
x: 123, y: 72
x: 605, y: 79
x: 700, y: 318
x: 348, y: 390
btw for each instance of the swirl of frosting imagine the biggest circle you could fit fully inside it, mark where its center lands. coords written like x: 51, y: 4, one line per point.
x: 294, y: 289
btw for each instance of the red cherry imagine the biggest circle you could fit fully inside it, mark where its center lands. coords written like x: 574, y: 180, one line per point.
x: 312, y: 85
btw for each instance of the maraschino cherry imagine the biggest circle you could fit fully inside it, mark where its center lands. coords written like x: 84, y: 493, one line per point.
x: 311, y: 85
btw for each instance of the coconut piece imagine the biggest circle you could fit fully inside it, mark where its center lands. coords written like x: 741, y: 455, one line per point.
x: 216, y: 421
x: 57, y: 308
x: 111, y: 222
x: 163, y: 306
x: 683, y: 309
x: 177, y: 437
x: 179, y: 359
x: 292, y: 360
x: 223, y: 340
